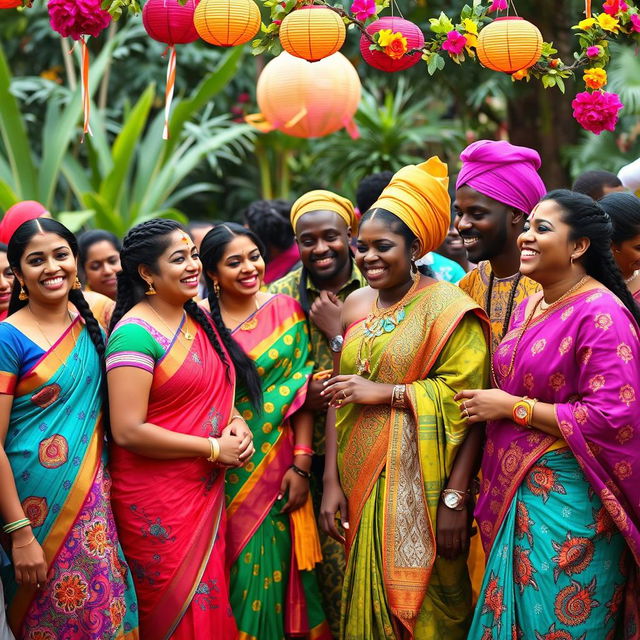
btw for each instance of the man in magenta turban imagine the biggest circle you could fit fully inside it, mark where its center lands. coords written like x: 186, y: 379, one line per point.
x: 497, y: 188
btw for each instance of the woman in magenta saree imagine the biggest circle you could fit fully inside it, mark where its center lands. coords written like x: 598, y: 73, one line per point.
x: 559, y: 509
x: 167, y: 496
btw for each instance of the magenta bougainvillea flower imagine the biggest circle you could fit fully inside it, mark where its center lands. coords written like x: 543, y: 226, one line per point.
x: 593, y: 52
x: 75, y: 18
x: 635, y: 22
x: 597, y: 111
x: 498, y: 5
x: 363, y: 9
x: 455, y: 43
x: 614, y: 7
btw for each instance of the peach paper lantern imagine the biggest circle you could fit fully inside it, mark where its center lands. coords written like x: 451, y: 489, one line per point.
x: 10, y: 4
x: 379, y: 59
x: 309, y: 100
x: 227, y: 23
x: 312, y: 32
x: 509, y: 44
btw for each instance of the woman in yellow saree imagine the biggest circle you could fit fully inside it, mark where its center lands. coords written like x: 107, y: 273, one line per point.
x: 404, y: 457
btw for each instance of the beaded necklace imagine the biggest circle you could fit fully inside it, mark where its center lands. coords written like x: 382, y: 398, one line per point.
x: 380, y: 321
x: 512, y: 295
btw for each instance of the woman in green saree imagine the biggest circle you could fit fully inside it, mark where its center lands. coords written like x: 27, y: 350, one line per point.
x: 405, y: 457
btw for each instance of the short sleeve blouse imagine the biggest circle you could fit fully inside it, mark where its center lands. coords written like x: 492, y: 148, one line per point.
x: 135, y: 343
x: 18, y: 355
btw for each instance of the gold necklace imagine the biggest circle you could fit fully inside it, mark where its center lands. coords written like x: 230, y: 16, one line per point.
x: 380, y: 321
x: 187, y: 334
x: 44, y: 335
x: 244, y: 324
x: 525, y: 326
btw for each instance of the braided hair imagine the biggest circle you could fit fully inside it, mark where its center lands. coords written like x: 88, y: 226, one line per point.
x: 211, y: 251
x: 588, y: 219
x: 143, y: 245
x: 624, y: 211
x: 17, y: 246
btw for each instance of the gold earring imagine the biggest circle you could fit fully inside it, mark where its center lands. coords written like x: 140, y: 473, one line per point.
x: 23, y: 295
x: 571, y: 259
x: 216, y: 289
x: 76, y: 284
x: 150, y: 291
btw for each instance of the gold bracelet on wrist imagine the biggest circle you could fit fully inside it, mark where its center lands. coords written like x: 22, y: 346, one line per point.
x: 398, y: 396
x: 215, y: 449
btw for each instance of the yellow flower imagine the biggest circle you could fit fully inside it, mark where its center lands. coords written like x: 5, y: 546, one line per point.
x: 472, y: 41
x: 396, y: 47
x: 521, y: 74
x: 595, y: 78
x: 470, y: 26
x: 585, y: 25
x: 608, y: 23
x: 384, y: 36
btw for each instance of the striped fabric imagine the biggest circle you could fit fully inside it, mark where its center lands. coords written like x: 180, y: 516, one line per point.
x: 130, y: 359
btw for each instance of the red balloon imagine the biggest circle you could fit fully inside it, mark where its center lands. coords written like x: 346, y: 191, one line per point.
x: 379, y: 59
x: 169, y: 22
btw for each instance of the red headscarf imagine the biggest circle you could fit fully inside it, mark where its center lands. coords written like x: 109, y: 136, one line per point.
x: 17, y: 214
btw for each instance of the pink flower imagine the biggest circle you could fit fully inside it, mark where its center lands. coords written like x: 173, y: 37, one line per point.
x: 455, y: 43
x: 363, y: 9
x: 597, y: 111
x: 75, y: 18
x: 635, y: 22
x: 498, y: 5
x: 614, y: 7
x: 593, y: 52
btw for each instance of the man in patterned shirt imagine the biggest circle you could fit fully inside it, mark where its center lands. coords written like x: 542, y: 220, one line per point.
x: 323, y: 223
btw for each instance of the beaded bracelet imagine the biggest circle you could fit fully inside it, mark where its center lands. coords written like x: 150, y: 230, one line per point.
x: 301, y: 472
x: 18, y: 524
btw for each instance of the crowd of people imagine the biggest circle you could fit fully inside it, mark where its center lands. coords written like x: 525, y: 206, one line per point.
x: 414, y: 418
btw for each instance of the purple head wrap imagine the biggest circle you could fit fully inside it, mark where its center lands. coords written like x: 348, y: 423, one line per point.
x: 504, y: 172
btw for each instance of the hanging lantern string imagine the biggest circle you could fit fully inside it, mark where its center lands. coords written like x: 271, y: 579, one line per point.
x: 168, y: 92
x: 86, y: 97
x: 511, y: 5
x: 587, y: 8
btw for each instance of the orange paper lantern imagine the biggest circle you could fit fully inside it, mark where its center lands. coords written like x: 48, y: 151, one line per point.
x: 312, y: 32
x: 509, y: 44
x: 10, y: 4
x: 227, y: 23
x: 308, y: 100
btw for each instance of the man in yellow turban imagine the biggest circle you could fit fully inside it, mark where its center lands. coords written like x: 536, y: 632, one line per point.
x: 323, y: 222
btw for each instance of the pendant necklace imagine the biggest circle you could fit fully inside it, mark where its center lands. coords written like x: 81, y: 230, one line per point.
x: 187, y: 334
x: 381, y: 321
x: 244, y: 325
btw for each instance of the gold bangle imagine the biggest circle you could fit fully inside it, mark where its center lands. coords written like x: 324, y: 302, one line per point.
x: 215, y: 449
x: 26, y: 544
x: 532, y: 403
x: 398, y: 397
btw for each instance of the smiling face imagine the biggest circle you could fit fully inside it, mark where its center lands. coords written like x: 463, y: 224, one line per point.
x: 47, y: 268
x: 6, y: 282
x: 382, y: 255
x: 627, y: 255
x: 484, y: 224
x: 546, y: 247
x: 177, y: 271
x: 101, y: 268
x: 323, y: 239
x: 240, y: 271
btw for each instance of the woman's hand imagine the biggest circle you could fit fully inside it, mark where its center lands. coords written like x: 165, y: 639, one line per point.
x: 235, y: 451
x: 28, y: 559
x: 238, y: 427
x: 480, y: 405
x: 296, y: 488
x: 453, y: 531
x: 315, y: 401
x: 355, y: 389
x: 333, y: 501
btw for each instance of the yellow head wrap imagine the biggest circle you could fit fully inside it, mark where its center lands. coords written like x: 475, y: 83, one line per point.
x: 321, y: 200
x: 418, y: 195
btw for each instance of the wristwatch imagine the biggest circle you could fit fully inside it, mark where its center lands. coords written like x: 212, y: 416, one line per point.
x: 335, y: 344
x: 454, y: 499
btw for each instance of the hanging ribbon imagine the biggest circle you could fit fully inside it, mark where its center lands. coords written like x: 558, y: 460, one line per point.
x: 86, y: 96
x: 587, y: 9
x: 168, y: 92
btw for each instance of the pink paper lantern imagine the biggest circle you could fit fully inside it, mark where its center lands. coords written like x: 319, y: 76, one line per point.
x: 169, y: 22
x: 309, y: 99
x: 379, y: 59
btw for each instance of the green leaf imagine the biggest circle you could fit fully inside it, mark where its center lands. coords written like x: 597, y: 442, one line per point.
x: 439, y: 62
x: 75, y: 220
x: 466, y: 12
x: 560, y: 84
x: 7, y: 196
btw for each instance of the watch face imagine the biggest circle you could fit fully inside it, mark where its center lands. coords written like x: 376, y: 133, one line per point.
x: 521, y: 412
x: 451, y: 500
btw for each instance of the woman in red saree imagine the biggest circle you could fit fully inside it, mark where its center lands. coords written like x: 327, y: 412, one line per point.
x: 171, y: 387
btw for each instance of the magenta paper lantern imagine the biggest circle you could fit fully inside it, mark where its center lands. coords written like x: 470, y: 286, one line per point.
x: 379, y: 59
x: 169, y: 22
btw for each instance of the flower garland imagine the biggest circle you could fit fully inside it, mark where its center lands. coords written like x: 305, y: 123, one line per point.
x: 595, y: 109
